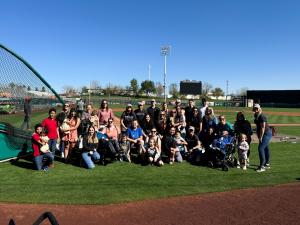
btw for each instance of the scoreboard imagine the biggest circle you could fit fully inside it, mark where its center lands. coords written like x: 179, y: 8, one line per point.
x: 190, y: 87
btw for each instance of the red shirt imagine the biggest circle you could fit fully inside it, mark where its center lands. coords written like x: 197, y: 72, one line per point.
x: 35, y: 145
x: 51, y: 126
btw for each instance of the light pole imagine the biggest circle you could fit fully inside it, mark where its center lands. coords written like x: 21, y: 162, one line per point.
x: 164, y: 51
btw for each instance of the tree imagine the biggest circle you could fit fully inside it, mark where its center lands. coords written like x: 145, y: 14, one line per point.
x: 217, y: 92
x: 69, y: 90
x: 43, y: 89
x: 206, y: 87
x: 242, y: 91
x: 84, y: 90
x: 94, y: 85
x: 173, y: 90
x: 148, y: 86
x: 159, y: 88
x: 134, y: 87
x: 28, y: 88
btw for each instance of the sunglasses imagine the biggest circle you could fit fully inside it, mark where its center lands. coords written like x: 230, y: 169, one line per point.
x: 153, y: 131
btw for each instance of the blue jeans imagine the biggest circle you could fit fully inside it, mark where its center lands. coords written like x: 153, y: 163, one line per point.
x: 263, y: 148
x: 52, y: 145
x: 44, y: 160
x: 88, y: 159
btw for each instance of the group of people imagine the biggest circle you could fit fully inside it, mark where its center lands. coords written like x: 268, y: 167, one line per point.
x: 150, y: 135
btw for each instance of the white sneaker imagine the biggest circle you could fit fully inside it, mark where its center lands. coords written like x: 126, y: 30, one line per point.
x: 238, y: 166
x: 261, y: 169
x: 62, y: 155
x: 244, y: 167
x: 267, y: 166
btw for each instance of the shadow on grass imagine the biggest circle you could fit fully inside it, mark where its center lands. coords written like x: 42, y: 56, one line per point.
x: 298, y: 179
x: 26, y: 164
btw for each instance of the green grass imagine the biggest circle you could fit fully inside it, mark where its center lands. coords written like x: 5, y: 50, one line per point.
x: 294, y: 131
x: 123, y: 182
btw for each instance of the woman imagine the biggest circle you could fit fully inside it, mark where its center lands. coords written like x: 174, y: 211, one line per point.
x: 72, y: 137
x: 243, y: 126
x: 264, y: 134
x: 104, y: 113
x: 41, y: 160
x: 90, y: 145
x: 208, y: 121
x: 147, y: 125
x: 126, y: 118
x: 113, y: 134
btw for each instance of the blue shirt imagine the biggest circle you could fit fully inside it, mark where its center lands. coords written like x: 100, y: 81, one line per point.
x: 134, y: 134
x: 101, y: 136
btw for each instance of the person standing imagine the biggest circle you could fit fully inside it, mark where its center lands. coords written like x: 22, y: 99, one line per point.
x: 80, y: 107
x: 27, y: 111
x: 104, y: 113
x: 140, y: 112
x: 264, y: 134
x: 50, y: 125
x: 153, y: 111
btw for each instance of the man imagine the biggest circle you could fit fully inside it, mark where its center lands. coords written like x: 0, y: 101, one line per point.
x: 135, y: 137
x: 140, y: 112
x: 27, y: 112
x: 194, y: 147
x: 170, y: 148
x: 153, y: 111
x: 189, y: 111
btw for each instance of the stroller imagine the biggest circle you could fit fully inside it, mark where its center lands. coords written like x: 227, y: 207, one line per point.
x: 220, y: 154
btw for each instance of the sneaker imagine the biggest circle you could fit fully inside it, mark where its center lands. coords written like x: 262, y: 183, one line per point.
x: 267, y: 166
x: 45, y: 168
x: 238, y: 166
x: 260, y: 169
x: 245, y: 167
x: 62, y: 155
x: 170, y: 162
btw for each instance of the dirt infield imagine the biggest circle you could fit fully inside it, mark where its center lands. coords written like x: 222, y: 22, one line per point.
x: 270, y: 205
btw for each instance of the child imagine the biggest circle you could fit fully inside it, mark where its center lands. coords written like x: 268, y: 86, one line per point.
x: 180, y: 143
x: 124, y: 153
x: 154, y: 154
x: 65, y: 127
x: 243, y: 148
x: 44, y: 139
x: 94, y: 119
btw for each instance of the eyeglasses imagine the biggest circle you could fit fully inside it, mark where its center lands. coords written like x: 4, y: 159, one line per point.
x: 154, y: 131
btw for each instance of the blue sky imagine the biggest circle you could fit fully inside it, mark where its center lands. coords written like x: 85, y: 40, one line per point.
x: 250, y: 43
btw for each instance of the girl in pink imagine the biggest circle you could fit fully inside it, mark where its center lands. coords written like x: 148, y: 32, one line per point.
x: 105, y: 113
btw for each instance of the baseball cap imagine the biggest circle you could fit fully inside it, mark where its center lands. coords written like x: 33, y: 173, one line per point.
x: 191, y: 128
x: 140, y: 103
x: 256, y: 106
x: 178, y: 100
x: 129, y: 105
x: 152, y: 100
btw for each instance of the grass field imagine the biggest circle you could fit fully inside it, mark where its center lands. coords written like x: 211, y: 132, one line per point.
x: 123, y: 182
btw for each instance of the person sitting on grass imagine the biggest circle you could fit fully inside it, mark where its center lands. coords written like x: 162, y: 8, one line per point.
x: 124, y: 153
x: 153, y: 154
x: 105, y: 146
x: 135, y: 137
x: 89, y: 151
x: 42, y: 160
x: 170, y: 148
x: 194, y: 146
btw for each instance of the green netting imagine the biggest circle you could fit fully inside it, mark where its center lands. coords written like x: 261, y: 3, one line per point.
x: 19, y: 81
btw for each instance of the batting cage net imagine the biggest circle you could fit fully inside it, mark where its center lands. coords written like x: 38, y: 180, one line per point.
x: 23, y: 94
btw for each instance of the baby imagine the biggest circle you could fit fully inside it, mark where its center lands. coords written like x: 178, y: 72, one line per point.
x: 180, y: 143
x: 65, y: 126
x: 44, y: 139
x: 243, y: 148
